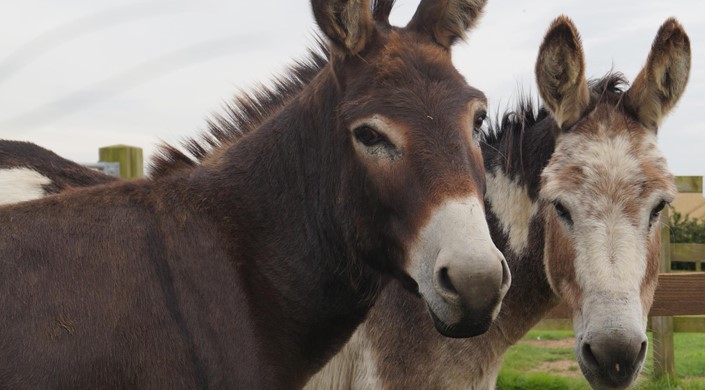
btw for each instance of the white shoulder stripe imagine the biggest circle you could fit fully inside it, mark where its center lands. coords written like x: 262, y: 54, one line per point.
x: 511, y: 204
x: 21, y: 184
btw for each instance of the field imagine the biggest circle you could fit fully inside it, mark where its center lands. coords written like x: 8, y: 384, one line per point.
x: 544, y: 360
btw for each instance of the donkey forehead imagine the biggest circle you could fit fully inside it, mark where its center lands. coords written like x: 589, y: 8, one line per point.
x: 608, y: 162
x: 410, y: 72
x: 406, y: 54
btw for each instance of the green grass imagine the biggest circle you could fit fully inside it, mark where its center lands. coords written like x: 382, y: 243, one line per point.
x: 520, y: 370
x: 690, y: 354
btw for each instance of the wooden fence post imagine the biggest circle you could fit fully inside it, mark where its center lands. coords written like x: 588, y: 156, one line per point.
x: 662, y: 327
x: 129, y: 157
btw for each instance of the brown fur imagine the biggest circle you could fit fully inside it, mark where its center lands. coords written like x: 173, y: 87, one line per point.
x: 559, y: 260
x: 648, y: 285
x: 250, y: 269
x: 447, y: 19
x: 347, y: 23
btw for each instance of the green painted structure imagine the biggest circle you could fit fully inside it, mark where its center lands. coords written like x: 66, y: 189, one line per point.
x: 130, y: 159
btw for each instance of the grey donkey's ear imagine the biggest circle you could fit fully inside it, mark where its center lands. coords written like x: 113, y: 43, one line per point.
x: 446, y: 20
x: 560, y: 73
x: 347, y: 23
x: 662, y: 81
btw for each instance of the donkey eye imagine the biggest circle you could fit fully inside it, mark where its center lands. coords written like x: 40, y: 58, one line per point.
x: 368, y: 136
x: 563, y: 213
x: 479, y: 120
x: 656, y: 212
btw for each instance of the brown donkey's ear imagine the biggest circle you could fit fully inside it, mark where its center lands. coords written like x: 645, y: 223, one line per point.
x: 662, y: 81
x: 560, y: 73
x: 348, y: 23
x: 446, y: 20
x: 381, y: 10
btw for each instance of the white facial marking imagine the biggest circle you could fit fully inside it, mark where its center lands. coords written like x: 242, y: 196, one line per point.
x: 511, y: 204
x: 457, y: 226
x: 21, y: 184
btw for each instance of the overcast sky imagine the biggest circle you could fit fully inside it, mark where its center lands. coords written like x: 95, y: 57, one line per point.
x: 76, y: 75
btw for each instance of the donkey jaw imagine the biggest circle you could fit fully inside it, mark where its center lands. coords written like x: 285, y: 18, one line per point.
x: 462, y: 276
x: 610, y: 350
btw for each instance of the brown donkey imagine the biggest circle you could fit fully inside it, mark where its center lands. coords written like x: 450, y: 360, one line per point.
x: 573, y: 201
x: 251, y: 269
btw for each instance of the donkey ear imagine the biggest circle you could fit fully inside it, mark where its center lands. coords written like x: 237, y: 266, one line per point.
x: 446, y: 20
x: 348, y: 23
x: 560, y: 73
x: 662, y: 81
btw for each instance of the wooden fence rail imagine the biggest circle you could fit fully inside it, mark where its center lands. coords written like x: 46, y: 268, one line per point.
x: 689, y: 253
x: 677, y: 294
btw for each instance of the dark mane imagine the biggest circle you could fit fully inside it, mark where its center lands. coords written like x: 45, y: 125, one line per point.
x: 247, y: 111
x: 512, y: 123
x: 607, y: 89
x: 242, y: 115
x: 504, y: 146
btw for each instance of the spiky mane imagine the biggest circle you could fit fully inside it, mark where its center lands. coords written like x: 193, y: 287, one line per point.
x: 607, y: 89
x: 244, y: 114
x: 513, y: 123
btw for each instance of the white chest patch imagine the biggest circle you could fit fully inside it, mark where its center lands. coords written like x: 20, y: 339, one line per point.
x: 21, y: 184
x: 511, y: 204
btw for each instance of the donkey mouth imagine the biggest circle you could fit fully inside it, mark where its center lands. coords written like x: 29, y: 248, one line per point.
x: 608, y: 381
x: 469, y: 325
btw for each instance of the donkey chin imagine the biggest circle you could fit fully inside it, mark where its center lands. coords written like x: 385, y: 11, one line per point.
x: 610, y: 350
x: 462, y: 276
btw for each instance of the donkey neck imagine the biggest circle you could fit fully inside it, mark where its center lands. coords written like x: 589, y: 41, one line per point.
x: 275, y: 191
x: 513, y: 168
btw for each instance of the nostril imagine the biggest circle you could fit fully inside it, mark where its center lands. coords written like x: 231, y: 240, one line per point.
x: 506, y: 275
x: 444, y: 281
x: 642, y: 353
x: 588, y: 356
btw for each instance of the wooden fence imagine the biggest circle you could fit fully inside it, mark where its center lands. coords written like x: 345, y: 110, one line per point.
x: 689, y: 253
